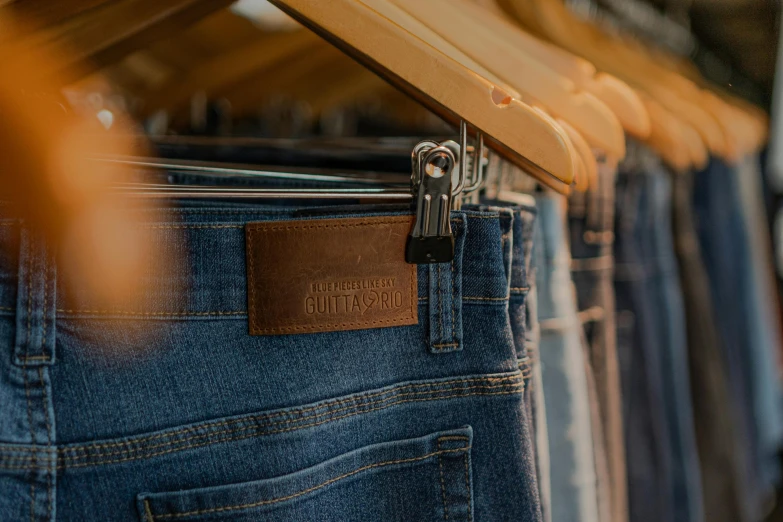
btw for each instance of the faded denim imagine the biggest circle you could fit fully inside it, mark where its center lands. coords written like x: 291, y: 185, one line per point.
x: 564, y: 370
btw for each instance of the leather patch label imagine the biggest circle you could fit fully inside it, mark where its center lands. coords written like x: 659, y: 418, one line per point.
x: 328, y: 275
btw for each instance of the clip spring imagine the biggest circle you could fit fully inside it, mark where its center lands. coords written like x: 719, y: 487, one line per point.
x: 434, y: 195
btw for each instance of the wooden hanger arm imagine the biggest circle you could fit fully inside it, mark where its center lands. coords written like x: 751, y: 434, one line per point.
x: 442, y: 84
x: 589, y: 165
x: 112, y: 30
x: 557, y: 94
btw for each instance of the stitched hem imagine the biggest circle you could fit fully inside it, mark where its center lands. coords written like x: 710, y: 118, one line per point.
x: 322, y: 485
x: 269, y: 423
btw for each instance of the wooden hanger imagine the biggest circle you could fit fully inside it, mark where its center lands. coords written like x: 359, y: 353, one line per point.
x: 667, y: 136
x: 617, y: 95
x: 100, y: 33
x: 749, y: 122
x: 539, y: 85
x: 445, y: 85
x: 588, y: 166
x: 553, y: 21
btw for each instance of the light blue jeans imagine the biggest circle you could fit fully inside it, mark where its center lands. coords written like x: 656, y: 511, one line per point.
x: 564, y: 371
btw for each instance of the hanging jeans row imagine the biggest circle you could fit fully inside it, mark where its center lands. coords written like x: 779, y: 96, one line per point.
x: 610, y: 356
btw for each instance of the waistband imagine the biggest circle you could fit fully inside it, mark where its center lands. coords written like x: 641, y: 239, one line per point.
x: 208, y: 278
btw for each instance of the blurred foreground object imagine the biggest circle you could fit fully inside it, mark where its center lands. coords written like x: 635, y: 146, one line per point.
x: 49, y: 177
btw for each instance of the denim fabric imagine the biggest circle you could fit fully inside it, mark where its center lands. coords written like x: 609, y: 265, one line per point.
x: 664, y: 286
x: 716, y: 434
x: 763, y: 316
x: 723, y: 241
x: 648, y: 454
x: 171, y: 411
x: 564, y: 370
x: 591, y: 223
x: 524, y: 326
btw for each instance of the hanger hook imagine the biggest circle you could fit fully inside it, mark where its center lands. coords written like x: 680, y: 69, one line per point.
x: 463, y: 157
x: 477, y: 177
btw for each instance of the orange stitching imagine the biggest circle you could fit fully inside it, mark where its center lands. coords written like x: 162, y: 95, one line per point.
x: 283, y: 329
x: 263, y: 427
x: 8, y: 308
x: 45, y: 400
x: 422, y: 300
x: 467, y: 487
x: 285, y: 430
x: 189, y: 226
x: 272, y: 228
x: 442, y: 486
x: 25, y: 377
x: 506, y: 380
x: 251, y: 278
x: 444, y: 345
x: 148, y: 511
x: 310, y: 489
x: 45, y: 289
x: 163, y: 314
x: 453, y: 303
x: 440, y: 306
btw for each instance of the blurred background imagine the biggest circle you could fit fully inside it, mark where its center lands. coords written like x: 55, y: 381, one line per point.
x: 177, y: 74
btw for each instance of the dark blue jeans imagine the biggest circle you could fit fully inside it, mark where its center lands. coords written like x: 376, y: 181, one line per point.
x: 726, y: 251
x: 171, y: 411
x: 639, y: 342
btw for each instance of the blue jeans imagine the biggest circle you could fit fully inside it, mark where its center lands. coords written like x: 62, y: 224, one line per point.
x: 171, y: 411
x: 763, y: 316
x: 648, y: 453
x: 723, y: 237
x: 591, y: 228
x: 564, y: 370
x: 524, y: 326
x: 669, y: 308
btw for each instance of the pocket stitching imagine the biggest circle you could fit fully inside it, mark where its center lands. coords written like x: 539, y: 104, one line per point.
x: 436, y: 386
x: 261, y: 427
x: 254, y: 434
x: 329, y: 482
x: 442, y: 485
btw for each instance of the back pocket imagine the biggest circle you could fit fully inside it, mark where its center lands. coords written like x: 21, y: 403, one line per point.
x: 422, y: 479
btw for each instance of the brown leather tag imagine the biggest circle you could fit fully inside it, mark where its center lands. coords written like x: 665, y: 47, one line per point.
x: 328, y: 275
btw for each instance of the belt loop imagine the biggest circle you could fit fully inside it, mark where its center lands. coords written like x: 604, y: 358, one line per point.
x: 445, y: 294
x: 35, y: 301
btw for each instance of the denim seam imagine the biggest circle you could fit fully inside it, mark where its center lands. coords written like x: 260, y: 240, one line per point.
x: 148, y: 511
x: 516, y: 390
x: 440, y: 304
x: 437, y: 386
x: 508, y: 380
x: 215, y: 312
x: 45, y: 400
x: 329, y: 482
x: 467, y: 486
x: 454, y: 307
x: 439, y: 347
x: 27, y: 382
x: 238, y: 429
x: 442, y: 485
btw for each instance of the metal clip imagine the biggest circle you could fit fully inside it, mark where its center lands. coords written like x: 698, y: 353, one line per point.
x: 431, y: 240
